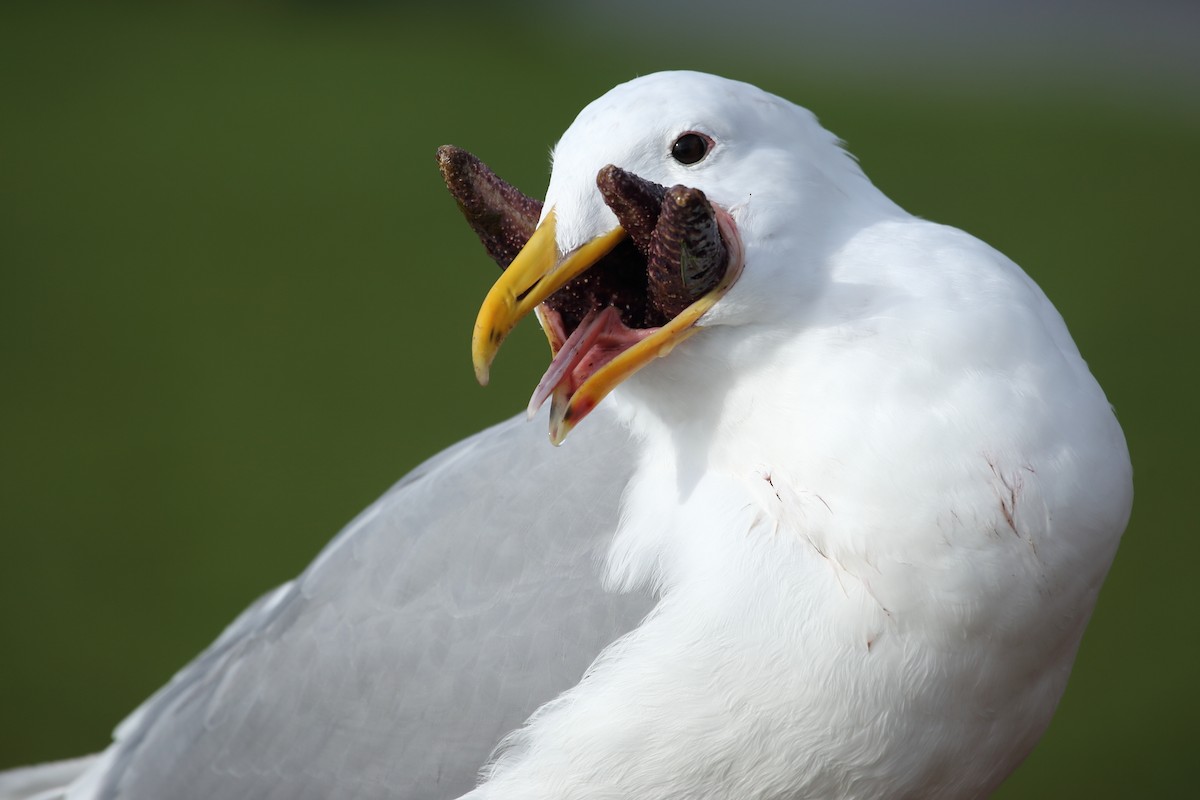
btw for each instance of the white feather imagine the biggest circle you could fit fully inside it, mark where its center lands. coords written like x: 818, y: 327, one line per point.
x: 879, y: 494
x: 875, y: 498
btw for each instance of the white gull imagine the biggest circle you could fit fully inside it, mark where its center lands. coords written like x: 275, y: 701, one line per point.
x: 842, y: 542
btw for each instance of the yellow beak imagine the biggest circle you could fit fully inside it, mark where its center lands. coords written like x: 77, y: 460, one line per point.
x: 536, y: 273
x: 539, y: 271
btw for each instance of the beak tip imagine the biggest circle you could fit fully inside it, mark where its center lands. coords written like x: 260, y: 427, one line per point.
x: 561, y: 423
x: 483, y: 351
x: 483, y: 369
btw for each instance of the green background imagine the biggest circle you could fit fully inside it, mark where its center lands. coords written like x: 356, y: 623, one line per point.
x: 235, y: 304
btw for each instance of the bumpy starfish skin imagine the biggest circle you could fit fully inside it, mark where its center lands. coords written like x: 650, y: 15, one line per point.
x: 675, y: 230
x: 673, y: 255
x: 502, y: 217
x: 635, y: 201
x: 687, y: 255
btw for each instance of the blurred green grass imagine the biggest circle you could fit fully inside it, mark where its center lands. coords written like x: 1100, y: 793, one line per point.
x: 236, y: 301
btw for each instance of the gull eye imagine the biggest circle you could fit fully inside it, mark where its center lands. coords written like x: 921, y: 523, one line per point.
x: 690, y: 148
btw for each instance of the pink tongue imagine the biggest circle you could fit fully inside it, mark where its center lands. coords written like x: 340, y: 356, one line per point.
x: 572, y: 352
x: 600, y: 337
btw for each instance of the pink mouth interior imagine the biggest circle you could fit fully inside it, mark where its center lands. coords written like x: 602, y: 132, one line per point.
x: 599, y: 338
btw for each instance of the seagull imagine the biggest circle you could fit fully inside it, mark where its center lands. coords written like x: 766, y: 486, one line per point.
x: 835, y: 497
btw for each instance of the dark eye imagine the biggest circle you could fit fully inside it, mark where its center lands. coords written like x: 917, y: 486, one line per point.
x: 689, y: 148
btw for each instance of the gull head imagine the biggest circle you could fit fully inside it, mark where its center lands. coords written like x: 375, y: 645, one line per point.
x: 678, y: 203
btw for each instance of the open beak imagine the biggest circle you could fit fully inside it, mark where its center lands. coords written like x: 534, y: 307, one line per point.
x: 536, y: 273
x: 601, y: 352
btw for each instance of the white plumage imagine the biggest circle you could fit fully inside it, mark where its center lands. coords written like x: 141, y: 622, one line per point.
x: 871, y: 504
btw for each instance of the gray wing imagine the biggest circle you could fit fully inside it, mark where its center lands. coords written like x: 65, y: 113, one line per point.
x: 434, y: 624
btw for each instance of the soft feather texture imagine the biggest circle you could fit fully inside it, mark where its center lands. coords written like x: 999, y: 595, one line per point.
x: 878, y: 498
x: 874, y: 500
x: 433, y: 624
